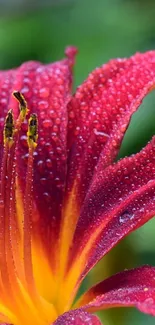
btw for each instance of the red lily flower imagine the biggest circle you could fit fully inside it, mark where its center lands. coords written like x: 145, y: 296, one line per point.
x: 64, y: 203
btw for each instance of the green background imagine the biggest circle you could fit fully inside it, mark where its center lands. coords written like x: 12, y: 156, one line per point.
x: 102, y: 30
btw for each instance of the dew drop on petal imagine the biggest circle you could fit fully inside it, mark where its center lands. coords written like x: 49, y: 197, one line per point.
x: 44, y: 92
x: 1, y: 203
x: 149, y: 301
x: 40, y: 165
x: 23, y: 140
x: 47, y: 123
x: 49, y: 163
x: 146, y: 289
x: 43, y: 181
x: 125, y: 217
x: 103, y: 134
x: 46, y: 196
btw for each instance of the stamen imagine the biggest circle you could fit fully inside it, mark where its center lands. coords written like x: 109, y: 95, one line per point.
x: 32, y: 136
x: 9, y: 129
x: 15, y: 237
x: 17, y: 285
x: 9, y: 250
x: 3, y: 263
x: 12, y: 232
x: 22, y: 106
x: 8, y: 141
x: 8, y: 274
x: 32, y: 133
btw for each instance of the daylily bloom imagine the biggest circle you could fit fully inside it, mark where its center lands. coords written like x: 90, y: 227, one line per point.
x: 64, y: 201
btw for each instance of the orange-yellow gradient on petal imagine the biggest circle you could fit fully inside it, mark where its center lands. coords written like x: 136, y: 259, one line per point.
x: 64, y: 203
x: 29, y: 217
x: 18, y: 288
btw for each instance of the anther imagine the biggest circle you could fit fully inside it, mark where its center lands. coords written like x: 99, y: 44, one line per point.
x: 9, y: 129
x: 32, y: 134
x: 22, y: 104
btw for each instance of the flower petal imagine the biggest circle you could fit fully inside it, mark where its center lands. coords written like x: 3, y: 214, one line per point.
x: 101, y: 110
x: 49, y: 100
x: 47, y: 90
x: 131, y: 288
x: 120, y: 199
x: 99, y: 115
x: 77, y: 317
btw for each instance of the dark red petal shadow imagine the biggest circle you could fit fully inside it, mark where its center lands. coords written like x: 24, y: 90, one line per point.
x: 77, y: 317
x: 47, y: 89
x: 132, y: 288
x: 120, y: 199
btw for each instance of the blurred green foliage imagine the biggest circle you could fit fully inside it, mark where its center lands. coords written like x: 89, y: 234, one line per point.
x: 102, y: 30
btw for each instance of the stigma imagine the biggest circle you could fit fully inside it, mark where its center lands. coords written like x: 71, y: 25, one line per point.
x: 20, y: 302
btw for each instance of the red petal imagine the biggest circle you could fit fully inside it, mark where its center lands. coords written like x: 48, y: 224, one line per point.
x: 101, y: 110
x: 120, y: 199
x: 47, y: 91
x: 99, y: 115
x: 127, y: 289
x: 77, y: 317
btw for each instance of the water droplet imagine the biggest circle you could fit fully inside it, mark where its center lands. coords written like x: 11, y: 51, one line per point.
x: 24, y: 126
x: 55, y: 128
x: 49, y: 163
x: 47, y: 123
x: 43, y: 181
x: 26, y: 91
x: 146, y: 289
x: 23, y: 140
x: 102, y: 134
x: 40, y: 165
x: 47, y: 196
x: 125, y: 217
x: 44, y: 92
x: 57, y: 121
x: 51, y: 175
x: 149, y: 301
x: 1, y: 204
x: 43, y: 104
x: 71, y: 114
x: 52, y: 113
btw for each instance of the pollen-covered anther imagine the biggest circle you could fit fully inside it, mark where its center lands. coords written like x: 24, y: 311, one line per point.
x: 9, y: 129
x: 22, y: 105
x: 32, y: 134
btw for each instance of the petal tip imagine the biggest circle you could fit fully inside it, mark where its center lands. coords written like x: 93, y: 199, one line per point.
x: 71, y: 52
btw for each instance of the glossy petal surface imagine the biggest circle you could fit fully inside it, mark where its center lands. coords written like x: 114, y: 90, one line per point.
x: 77, y: 317
x: 77, y: 204
x: 132, y: 288
x: 99, y: 114
x: 101, y: 110
x: 47, y: 89
x: 120, y: 199
x: 32, y: 190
